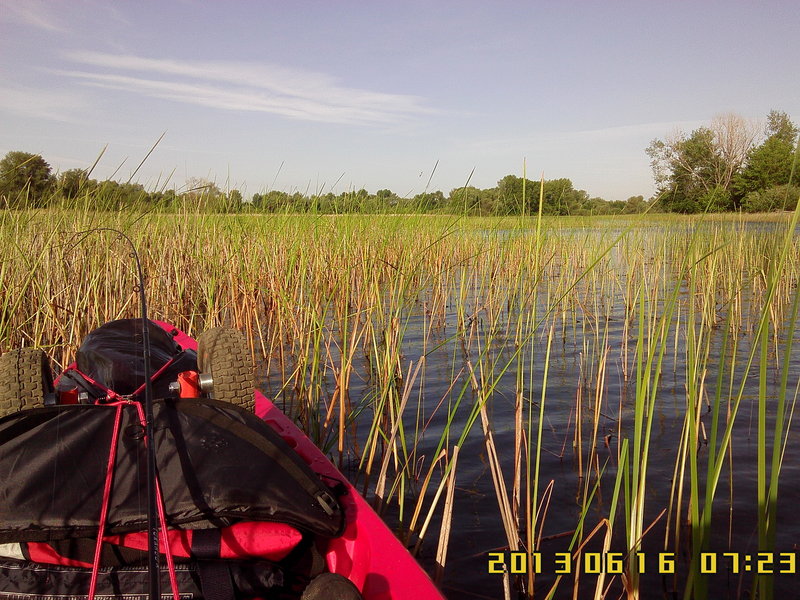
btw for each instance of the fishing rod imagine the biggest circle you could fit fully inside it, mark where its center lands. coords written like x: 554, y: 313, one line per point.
x: 154, y: 584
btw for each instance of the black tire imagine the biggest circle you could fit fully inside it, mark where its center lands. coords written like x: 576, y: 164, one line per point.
x: 223, y: 354
x: 25, y: 380
x: 330, y: 586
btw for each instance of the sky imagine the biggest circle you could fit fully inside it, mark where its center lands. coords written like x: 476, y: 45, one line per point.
x: 405, y: 95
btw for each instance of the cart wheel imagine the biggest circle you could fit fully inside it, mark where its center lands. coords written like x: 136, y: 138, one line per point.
x: 330, y: 586
x: 25, y: 380
x: 223, y: 354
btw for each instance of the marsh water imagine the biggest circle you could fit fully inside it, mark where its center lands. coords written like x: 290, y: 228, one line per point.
x: 547, y: 350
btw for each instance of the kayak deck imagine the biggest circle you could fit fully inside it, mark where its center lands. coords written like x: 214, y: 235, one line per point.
x: 367, y: 553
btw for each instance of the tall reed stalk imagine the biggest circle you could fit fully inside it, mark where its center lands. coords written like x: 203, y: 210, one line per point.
x: 415, y: 349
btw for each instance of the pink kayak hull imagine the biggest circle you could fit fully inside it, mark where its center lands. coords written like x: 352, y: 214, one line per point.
x: 368, y: 553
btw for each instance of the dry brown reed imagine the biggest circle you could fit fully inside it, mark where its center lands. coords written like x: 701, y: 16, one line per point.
x: 341, y: 313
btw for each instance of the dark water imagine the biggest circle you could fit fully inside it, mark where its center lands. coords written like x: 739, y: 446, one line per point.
x: 477, y: 527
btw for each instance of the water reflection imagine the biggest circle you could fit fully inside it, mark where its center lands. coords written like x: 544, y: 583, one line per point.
x: 600, y: 330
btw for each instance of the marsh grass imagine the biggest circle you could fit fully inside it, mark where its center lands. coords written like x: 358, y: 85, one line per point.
x: 398, y: 343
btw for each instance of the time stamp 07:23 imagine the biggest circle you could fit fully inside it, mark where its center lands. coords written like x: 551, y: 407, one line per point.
x: 564, y: 563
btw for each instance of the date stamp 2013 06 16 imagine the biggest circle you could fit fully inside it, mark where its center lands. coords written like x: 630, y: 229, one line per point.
x: 664, y: 563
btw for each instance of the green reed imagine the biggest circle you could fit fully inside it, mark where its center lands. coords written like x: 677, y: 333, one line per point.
x: 350, y: 317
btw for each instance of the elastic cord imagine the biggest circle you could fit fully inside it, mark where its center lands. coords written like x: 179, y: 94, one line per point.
x: 112, y: 457
x: 111, y: 395
x: 155, y: 376
x: 162, y: 517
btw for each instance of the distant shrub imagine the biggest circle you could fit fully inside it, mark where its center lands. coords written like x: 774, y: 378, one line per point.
x: 779, y: 197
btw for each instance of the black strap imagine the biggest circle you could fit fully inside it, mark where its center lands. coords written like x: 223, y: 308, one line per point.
x: 83, y: 549
x: 215, y: 577
x: 271, y: 444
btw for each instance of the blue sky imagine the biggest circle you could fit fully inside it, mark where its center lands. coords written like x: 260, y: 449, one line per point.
x: 339, y: 95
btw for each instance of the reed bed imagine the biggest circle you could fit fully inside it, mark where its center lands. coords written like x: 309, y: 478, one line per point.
x: 413, y: 347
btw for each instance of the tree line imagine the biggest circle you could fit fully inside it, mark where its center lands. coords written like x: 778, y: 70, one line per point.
x: 728, y: 165
x: 27, y: 181
x: 559, y: 197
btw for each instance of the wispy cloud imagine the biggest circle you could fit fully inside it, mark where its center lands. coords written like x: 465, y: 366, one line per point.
x: 244, y: 86
x: 41, y: 104
x: 33, y: 13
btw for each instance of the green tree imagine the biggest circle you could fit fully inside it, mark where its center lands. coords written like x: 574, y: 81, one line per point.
x: 25, y: 180
x: 163, y: 200
x: 107, y: 196
x: 509, y: 196
x: 683, y: 169
x: 112, y: 195
x: 386, y: 201
x: 696, y: 172
x: 203, y: 195
x: 592, y: 206
x: 465, y: 200
x: 769, y: 164
x: 635, y: 204
x: 233, y: 201
x: 272, y: 201
x: 428, y: 201
x: 72, y: 182
x: 560, y: 197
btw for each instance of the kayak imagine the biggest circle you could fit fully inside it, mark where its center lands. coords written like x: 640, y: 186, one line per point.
x: 367, y: 553
x: 358, y: 547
